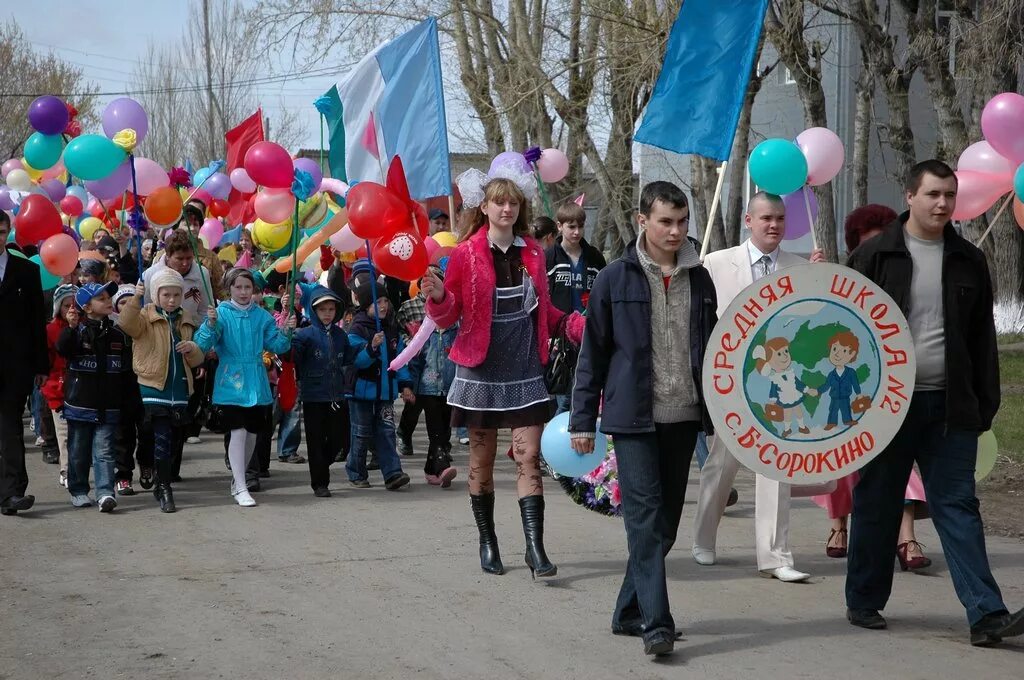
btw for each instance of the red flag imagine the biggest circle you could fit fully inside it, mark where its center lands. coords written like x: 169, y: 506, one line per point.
x: 239, y: 139
x: 370, y: 138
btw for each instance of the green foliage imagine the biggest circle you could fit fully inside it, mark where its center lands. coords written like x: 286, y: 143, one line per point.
x: 816, y: 380
x: 810, y: 345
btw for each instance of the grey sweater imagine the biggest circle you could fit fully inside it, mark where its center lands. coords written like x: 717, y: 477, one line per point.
x: 675, y: 395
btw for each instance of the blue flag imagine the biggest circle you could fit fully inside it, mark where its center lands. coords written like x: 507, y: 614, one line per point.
x: 697, y: 100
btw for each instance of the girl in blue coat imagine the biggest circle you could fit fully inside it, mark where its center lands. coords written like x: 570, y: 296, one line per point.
x: 240, y: 330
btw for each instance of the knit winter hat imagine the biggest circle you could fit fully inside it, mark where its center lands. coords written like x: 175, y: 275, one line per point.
x: 123, y: 291
x: 165, y: 277
x: 362, y: 286
x: 61, y: 293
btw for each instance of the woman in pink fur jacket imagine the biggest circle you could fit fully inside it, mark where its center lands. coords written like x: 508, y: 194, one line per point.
x: 496, y: 289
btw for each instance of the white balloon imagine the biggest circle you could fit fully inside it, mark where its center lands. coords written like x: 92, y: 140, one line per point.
x: 19, y: 179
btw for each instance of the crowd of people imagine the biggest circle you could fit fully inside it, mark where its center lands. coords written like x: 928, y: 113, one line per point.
x: 120, y: 370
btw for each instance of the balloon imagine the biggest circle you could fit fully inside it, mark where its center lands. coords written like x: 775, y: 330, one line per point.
x: 556, y: 446
x: 445, y: 239
x: 415, y: 345
x: 1018, y: 212
x: 240, y: 180
x: 12, y: 164
x: 79, y: 191
x: 1018, y: 182
x: 824, y: 153
x: 778, y: 166
x: 54, y: 188
x: 796, y: 213
x: 46, y: 278
x: 312, y: 167
x: 509, y: 161
x: 113, y: 185
x: 19, y: 180
x: 272, y: 236
x: 402, y: 256
x: 34, y: 174
x: 122, y: 114
x: 59, y: 254
x: 149, y: 176
x: 6, y: 201
x: 70, y: 205
x: 336, y: 223
x: 232, y: 235
x: 1002, y: 123
x: 219, y: 186
x: 440, y: 258
x: 48, y: 114
x: 553, y: 165
x: 375, y: 212
x: 213, y: 231
x: 981, y: 157
x: 87, y: 227
x: 269, y: 164
x: 43, y: 151
x: 201, y: 176
x: 163, y: 206
x: 92, y: 157
x: 335, y: 186
x: 274, y: 206
x: 432, y: 247
x: 56, y: 171
x: 344, y: 241
x: 201, y: 195
x: 219, y: 207
x: 976, y: 192
x: 37, y: 220
x: 988, y: 449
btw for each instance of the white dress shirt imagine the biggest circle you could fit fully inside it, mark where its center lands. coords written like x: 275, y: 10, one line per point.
x: 756, y: 256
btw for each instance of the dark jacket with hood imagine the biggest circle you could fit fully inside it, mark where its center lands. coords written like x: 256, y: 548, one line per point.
x: 373, y: 381
x: 99, y: 384
x: 972, y: 358
x: 323, y: 355
x: 559, y: 266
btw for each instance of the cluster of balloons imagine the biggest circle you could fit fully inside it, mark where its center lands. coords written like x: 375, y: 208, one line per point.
x: 782, y: 167
x: 991, y: 168
x: 552, y: 166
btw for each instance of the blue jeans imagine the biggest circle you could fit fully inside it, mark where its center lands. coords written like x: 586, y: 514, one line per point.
x: 289, y: 435
x: 91, y: 442
x: 947, y: 459
x: 839, y: 408
x: 701, y: 451
x: 373, y: 424
x: 462, y: 433
x: 38, y: 403
x: 653, y: 470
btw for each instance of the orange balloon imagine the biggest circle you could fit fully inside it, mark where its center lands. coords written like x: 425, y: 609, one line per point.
x: 414, y: 289
x: 163, y: 206
x: 1018, y: 211
x: 305, y: 249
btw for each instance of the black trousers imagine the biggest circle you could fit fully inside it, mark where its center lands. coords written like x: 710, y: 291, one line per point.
x: 325, y: 435
x: 410, y: 419
x: 439, y: 432
x: 133, y: 442
x: 13, y: 476
x: 49, y: 433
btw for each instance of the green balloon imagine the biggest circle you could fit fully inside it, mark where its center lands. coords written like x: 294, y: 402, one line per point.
x: 778, y: 166
x: 92, y: 157
x: 43, y: 151
x: 988, y: 450
x: 15, y: 252
x: 46, y: 278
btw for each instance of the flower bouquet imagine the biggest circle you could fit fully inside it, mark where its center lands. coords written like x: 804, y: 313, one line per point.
x: 598, y: 490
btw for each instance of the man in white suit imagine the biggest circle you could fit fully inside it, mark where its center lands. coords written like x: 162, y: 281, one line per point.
x: 732, y: 270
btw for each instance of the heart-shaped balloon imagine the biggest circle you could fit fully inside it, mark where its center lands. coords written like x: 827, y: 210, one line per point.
x: 403, y: 255
x: 376, y: 212
x: 37, y: 220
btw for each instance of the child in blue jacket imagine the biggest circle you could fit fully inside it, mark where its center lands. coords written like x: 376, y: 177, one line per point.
x: 323, y: 355
x: 371, y: 407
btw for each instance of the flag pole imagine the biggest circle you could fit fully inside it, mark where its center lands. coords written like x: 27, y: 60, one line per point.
x: 992, y: 222
x: 713, y: 209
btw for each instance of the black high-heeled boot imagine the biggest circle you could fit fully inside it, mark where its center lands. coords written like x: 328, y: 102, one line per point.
x: 162, y: 487
x: 532, y: 510
x: 483, y: 513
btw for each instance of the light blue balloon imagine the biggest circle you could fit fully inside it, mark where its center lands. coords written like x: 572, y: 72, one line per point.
x: 200, y: 176
x: 556, y: 446
x: 43, y: 151
x: 778, y: 166
x: 79, y: 191
x: 1018, y: 182
x: 92, y: 157
x: 46, y: 278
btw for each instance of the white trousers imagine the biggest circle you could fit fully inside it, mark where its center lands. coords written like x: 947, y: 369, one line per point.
x: 771, y: 509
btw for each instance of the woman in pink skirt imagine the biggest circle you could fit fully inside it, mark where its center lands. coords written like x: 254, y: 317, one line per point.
x: 862, y: 224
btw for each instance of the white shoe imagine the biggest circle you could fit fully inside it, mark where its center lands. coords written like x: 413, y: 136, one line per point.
x: 193, y: 440
x: 39, y: 441
x: 244, y: 499
x: 785, y: 574
x: 703, y: 557
x: 464, y: 440
x: 62, y: 478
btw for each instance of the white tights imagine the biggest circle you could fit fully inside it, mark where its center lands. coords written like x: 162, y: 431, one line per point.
x: 241, y: 446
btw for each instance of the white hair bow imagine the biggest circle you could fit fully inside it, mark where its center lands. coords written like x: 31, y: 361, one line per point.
x: 472, y: 183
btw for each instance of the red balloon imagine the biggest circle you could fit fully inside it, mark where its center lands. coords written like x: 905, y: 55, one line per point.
x: 71, y: 206
x: 403, y: 255
x: 37, y: 220
x: 269, y: 164
x: 219, y: 208
x: 419, y: 214
x: 376, y: 212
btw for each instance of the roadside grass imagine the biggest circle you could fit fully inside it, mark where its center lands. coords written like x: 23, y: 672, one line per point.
x: 1009, y: 422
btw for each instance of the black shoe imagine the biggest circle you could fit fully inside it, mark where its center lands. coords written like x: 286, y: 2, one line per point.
x: 373, y: 464
x: 396, y: 482
x: 405, y: 446
x: 51, y: 458
x: 659, y: 644
x: 8, y: 512
x: 532, y: 510
x: 360, y: 483
x: 734, y: 497
x: 994, y: 627
x: 164, y: 494
x: 16, y: 503
x: 253, y: 485
x: 322, y: 492
x: 483, y: 514
x: 636, y: 630
x: 341, y: 457
x: 177, y: 479
x: 264, y: 474
x: 866, y: 618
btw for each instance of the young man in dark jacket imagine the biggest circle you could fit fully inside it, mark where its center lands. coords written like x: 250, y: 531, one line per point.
x: 650, y: 316
x: 941, y: 282
x: 573, y: 264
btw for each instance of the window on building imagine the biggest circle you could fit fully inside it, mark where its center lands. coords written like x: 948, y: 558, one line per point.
x: 786, y: 76
x: 950, y: 25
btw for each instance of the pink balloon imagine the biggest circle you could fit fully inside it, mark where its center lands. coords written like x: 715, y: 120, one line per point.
x: 981, y: 157
x: 59, y: 254
x: 274, y: 206
x: 1002, y: 123
x: 344, y: 241
x: 976, y: 193
x: 415, y: 345
x: 201, y: 195
x: 213, y: 231
x: 270, y: 165
x: 240, y: 180
x: 54, y: 171
x: 553, y: 165
x: 335, y: 186
x: 432, y: 247
x: 149, y: 176
x: 12, y: 164
x: 824, y: 153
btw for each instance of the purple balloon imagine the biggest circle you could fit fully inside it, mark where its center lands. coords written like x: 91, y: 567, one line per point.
x: 796, y: 213
x: 512, y: 160
x: 312, y: 167
x: 73, y: 234
x: 54, y: 188
x: 218, y: 185
x: 48, y: 115
x: 122, y: 114
x: 113, y: 185
x: 6, y: 201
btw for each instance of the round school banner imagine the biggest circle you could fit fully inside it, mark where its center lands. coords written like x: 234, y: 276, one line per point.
x: 809, y: 373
